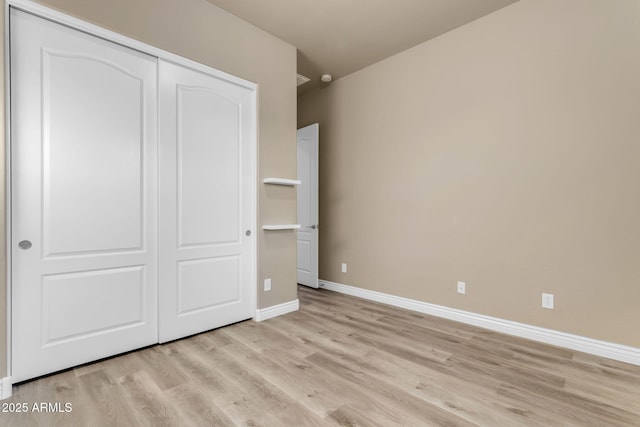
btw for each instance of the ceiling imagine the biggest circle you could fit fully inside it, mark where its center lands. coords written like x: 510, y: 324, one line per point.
x: 343, y: 36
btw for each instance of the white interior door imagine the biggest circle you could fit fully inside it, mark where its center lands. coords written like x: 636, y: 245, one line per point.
x: 207, y: 183
x: 83, y: 174
x: 308, y: 205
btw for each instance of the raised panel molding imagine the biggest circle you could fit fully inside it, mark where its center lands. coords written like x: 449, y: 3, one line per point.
x: 106, y: 148
x: 101, y: 300
x: 304, y: 256
x: 203, y: 163
x: 195, y: 295
x: 561, y: 339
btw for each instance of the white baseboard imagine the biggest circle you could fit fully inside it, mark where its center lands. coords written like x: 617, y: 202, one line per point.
x: 276, y: 310
x: 6, y: 388
x: 561, y: 339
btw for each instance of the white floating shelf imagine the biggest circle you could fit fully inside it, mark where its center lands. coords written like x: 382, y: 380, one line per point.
x: 282, y: 181
x: 281, y: 227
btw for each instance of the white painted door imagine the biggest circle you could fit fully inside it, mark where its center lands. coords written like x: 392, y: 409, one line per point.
x: 83, y: 197
x: 308, y: 205
x: 206, y: 202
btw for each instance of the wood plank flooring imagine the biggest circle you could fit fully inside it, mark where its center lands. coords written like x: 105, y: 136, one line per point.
x: 343, y: 361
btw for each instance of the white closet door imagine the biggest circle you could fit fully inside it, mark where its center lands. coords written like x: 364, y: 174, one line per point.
x: 206, y: 202
x: 307, y: 236
x: 83, y: 244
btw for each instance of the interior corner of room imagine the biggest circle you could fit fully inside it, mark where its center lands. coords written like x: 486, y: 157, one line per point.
x: 502, y: 155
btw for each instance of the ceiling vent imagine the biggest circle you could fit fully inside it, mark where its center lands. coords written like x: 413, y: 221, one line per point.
x: 300, y: 79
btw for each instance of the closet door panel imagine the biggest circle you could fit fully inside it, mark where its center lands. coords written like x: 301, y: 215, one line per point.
x: 206, y: 202
x: 83, y: 196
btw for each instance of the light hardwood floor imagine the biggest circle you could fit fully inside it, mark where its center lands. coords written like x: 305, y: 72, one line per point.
x: 345, y: 361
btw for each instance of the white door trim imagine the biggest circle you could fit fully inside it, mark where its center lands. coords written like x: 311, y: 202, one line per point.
x: 78, y: 24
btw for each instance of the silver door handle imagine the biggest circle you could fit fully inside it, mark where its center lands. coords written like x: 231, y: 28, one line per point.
x: 25, y: 244
x: 313, y: 227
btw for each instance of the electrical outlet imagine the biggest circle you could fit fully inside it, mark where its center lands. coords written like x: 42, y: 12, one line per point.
x: 344, y: 267
x: 267, y: 284
x: 462, y: 288
x: 547, y: 301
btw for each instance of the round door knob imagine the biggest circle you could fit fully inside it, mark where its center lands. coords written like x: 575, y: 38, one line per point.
x: 248, y: 233
x: 313, y: 227
x: 25, y: 244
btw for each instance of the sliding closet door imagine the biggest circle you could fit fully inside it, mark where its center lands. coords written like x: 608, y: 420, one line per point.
x: 84, y: 203
x: 206, y: 202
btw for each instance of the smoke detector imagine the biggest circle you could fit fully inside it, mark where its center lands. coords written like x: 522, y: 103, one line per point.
x: 326, y: 78
x: 300, y: 79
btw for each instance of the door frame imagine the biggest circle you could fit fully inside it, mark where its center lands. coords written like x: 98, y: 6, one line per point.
x: 95, y: 30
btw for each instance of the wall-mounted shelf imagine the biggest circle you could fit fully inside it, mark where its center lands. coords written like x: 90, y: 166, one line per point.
x: 287, y: 182
x: 281, y: 227
x: 282, y: 181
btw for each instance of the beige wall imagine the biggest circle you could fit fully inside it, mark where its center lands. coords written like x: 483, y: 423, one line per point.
x: 202, y: 32
x: 504, y: 154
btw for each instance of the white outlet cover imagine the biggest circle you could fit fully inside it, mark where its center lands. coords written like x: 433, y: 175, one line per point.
x: 267, y: 284
x: 462, y: 288
x: 547, y: 301
x: 344, y: 267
